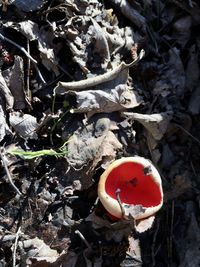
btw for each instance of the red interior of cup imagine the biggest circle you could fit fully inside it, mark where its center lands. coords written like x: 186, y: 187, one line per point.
x: 135, y: 186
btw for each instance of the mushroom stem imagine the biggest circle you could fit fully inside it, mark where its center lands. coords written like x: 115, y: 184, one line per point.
x: 117, y: 192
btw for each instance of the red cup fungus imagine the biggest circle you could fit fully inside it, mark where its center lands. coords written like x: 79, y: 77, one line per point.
x: 131, y: 182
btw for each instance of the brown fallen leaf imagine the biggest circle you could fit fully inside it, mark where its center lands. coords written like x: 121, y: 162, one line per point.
x: 156, y: 124
x: 5, y: 91
x: 38, y: 252
x: 133, y: 254
x: 4, y: 129
x: 24, y: 124
x: 144, y: 224
x: 90, y: 145
x: 110, y: 99
x: 14, y: 77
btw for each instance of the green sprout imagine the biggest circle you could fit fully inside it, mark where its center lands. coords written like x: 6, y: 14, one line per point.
x: 28, y: 155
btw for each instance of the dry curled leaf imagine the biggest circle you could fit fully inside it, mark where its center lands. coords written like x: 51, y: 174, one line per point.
x: 109, y: 100
x: 109, y: 76
x: 133, y: 254
x: 156, y: 124
x: 38, y: 251
x: 90, y: 145
x: 144, y: 224
x: 14, y: 78
x: 5, y: 91
x: 24, y: 124
x: 194, y: 103
x: 28, y: 5
x: 44, y: 40
x: 133, y: 15
x: 4, y: 129
x: 192, y: 69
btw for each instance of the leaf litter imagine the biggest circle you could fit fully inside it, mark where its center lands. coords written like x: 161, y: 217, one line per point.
x: 83, y: 83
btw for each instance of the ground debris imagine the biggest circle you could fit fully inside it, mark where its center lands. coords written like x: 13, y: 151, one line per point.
x: 83, y: 83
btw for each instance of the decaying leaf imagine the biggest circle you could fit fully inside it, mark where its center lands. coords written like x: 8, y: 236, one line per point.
x: 24, y: 124
x: 194, y: 103
x: 192, y: 70
x: 181, y: 185
x: 133, y: 254
x: 189, y: 233
x: 133, y: 211
x: 89, y: 145
x: 68, y: 259
x: 44, y: 39
x: 14, y: 77
x: 182, y: 30
x: 5, y: 91
x: 109, y: 100
x: 134, y: 16
x: 113, y: 231
x: 176, y: 73
x: 4, y: 129
x: 152, y: 146
x: 144, y: 224
x: 172, y: 76
x: 156, y: 124
x: 28, y: 5
x: 38, y: 251
x: 63, y: 87
x: 96, y: 33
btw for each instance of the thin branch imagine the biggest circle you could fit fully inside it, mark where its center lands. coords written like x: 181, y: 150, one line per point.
x: 188, y: 133
x: 15, y: 246
x: 19, y: 47
x: 28, y: 72
x: 26, y: 53
x: 3, y: 158
x: 119, y: 201
x: 84, y: 240
x: 153, y: 253
x: 40, y: 74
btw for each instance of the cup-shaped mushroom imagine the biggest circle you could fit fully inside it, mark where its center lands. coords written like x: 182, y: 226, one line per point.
x: 132, y: 185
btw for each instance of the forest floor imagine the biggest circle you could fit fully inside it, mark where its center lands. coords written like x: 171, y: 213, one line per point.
x: 71, y: 103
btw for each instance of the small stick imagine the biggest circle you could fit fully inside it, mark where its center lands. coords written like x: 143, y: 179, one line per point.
x: 18, y: 46
x: 8, y: 173
x: 28, y: 72
x: 26, y: 53
x: 84, y: 240
x: 153, y: 253
x: 188, y: 133
x: 171, y: 233
x: 15, y: 246
x: 119, y: 201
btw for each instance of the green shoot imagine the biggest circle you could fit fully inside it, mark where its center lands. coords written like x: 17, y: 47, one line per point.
x: 28, y: 155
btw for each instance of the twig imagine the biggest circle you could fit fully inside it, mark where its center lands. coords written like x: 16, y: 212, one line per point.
x: 94, y: 205
x: 84, y: 240
x: 26, y: 53
x: 63, y: 70
x: 8, y: 173
x: 18, y: 46
x: 15, y: 246
x: 188, y: 133
x: 171, y: 235
x: 119, y: 201
x: 40, y: 74
x: 28, y: 72
x: 153, y: 253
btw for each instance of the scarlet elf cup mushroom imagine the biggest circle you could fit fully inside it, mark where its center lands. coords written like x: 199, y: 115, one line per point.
x: 131, y: 184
